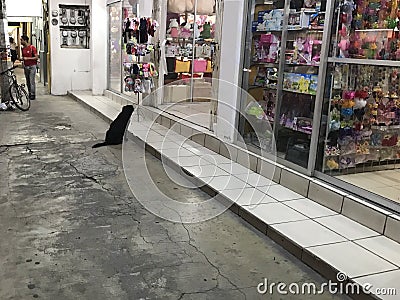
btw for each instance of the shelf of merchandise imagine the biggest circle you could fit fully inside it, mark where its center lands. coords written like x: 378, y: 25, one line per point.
x: 265, y: 64
x: 356, y: 61
x: 285, y: 35
x: 313, y: 30
x: 297, y: 92
x: 262, y: 87
x: 375, y: 153
x: 299, y: 130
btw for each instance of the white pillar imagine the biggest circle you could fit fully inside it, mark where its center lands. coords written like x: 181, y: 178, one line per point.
x: 99, y: 46
x: 231, y: 47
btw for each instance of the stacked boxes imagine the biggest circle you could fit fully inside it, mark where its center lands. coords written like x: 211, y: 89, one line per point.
x: 269, y: 20
x: 272, y: 20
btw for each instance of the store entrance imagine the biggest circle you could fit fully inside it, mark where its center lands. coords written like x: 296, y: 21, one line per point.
x: 191, y: 56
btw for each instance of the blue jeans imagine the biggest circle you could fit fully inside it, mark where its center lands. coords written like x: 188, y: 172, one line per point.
x: 30, y: 75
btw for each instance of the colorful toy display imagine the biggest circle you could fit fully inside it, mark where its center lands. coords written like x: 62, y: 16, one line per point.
x: 369, y: 30
x: 364, y: 116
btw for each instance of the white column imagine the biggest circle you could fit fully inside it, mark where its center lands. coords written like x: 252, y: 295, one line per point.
x: 99, y: 46
x: 231, y: 46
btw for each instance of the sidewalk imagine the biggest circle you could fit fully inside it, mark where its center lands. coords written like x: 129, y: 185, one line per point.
x: 321, y: 237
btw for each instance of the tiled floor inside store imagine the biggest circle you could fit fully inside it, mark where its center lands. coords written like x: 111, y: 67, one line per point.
x: 385, y: 183
x: 195, y: 112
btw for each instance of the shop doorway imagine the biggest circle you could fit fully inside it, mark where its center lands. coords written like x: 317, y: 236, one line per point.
x: 191, y: 49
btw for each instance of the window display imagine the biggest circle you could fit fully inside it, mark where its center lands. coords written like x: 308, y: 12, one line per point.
x: 364, y: 116
x: 368, y: 30
x: 138, y: 52
x: 361, y: 111
x: 283, y: 73
x: 191, y: 48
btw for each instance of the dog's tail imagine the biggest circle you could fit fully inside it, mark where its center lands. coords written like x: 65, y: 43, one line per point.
x: 100, y: 145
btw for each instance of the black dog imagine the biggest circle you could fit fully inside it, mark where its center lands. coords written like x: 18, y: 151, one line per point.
x: 115, y: 134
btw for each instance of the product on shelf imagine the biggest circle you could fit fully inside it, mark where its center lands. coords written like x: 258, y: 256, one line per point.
x: 301, y: 83
x: 270, y: 20
x: 364, y: 117
x: 369, y: 30
x: 139, y: 77
x: 174, y: 29
x: 266, y: 48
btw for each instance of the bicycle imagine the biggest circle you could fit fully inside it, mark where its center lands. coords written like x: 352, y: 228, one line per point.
x: 18, y: 95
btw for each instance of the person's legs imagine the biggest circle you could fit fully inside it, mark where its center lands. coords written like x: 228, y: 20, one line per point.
x: 27, y: 73
x: 32, y: 77
x: 13, y: 55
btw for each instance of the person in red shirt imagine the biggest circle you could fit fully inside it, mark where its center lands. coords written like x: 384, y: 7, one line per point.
x: 29, y: 57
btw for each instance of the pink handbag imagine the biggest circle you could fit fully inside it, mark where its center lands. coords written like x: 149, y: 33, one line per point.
x: 199, y: 66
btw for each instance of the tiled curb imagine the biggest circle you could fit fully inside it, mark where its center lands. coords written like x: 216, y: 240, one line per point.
x: 363, y: 212
x: 341, y: 203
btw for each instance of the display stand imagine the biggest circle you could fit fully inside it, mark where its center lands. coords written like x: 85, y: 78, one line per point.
x: 138, y: 70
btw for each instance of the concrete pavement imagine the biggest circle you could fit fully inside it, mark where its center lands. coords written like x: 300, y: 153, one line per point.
x: 71, y: 229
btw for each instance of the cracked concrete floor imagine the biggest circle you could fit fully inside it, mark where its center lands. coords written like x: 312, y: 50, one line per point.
x: 71, y: 229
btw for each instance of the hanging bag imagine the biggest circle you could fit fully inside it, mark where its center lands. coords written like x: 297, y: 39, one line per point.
x: 182, y: 66
x: 209, y: 68
x: 199, y: 66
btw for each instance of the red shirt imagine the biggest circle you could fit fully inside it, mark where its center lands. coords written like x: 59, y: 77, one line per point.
x: 29, y: 51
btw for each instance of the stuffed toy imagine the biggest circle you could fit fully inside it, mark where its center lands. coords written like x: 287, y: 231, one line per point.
x: 389, y: 140
x: 347, y: 162
x: 185, y: 31
x: 146, y: 70
x: 129, y: 84
x: 363, y: 148
x: 332, y: 164
x: 213, y: 28
x: 376, y: 139
x: 206, y: 33
x: 359, y: 103
x: 173, y: 28
x: 332, y: 150
x: 138, y: 86
x: 344, y: 45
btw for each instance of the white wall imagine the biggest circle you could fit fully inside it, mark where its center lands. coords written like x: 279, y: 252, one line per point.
x: 231, y: 45
x: 70, y: 68
x: 24, y: 8
x: 81, y: 69
x: 99, y: 45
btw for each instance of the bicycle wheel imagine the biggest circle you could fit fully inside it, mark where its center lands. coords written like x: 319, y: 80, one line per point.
x: 20, y: 97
